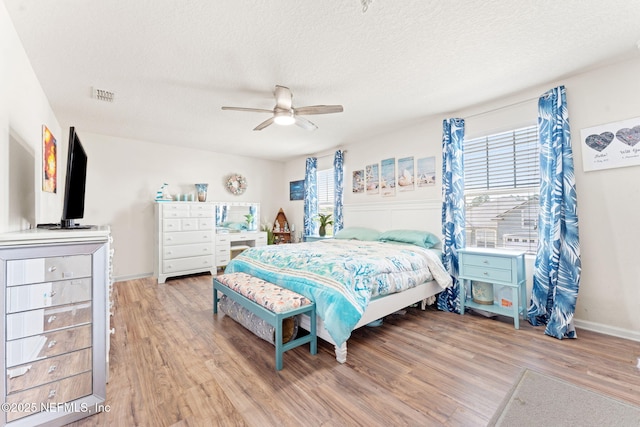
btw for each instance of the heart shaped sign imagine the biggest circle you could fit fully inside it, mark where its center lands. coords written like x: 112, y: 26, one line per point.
x: 629, y: 136
x: 599, y: 142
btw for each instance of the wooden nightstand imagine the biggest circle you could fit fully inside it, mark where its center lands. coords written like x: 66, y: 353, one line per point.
x: 503, y: 269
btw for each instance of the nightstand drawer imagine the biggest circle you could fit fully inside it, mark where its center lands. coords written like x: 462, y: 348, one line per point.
x: 485, y: 274
x: 485, y: 261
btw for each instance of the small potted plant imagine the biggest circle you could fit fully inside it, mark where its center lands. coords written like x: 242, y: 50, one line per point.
x: 324, y: 220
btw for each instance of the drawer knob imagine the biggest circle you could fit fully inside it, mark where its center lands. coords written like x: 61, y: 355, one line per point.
x: 52, y: 343
x: 485, y: 261
x: 485, y: 273
x: 169, y: 252
x: 52, y: 294
x: 52, y: 268
x: 52, y: 368
x: 51, y: 319
x: 52, y: 394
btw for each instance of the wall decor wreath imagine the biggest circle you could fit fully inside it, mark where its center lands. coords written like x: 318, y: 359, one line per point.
x: 236, y: 184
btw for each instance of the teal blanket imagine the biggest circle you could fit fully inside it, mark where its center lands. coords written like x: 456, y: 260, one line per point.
x: 342, y: 276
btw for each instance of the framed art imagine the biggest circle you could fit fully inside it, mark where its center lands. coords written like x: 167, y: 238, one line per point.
x: 49, y: 161
x: 405, y: 174
x: 426, y: 173
x: 388, y: 177
x: 358, y: 181
x: 372, y: 179
x: 296, y: 190
x: 613, y: 145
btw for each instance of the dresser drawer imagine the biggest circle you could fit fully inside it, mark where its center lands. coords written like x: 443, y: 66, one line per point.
x: 183, y: 251
x: 223, y: 257
x: 261, y: 240
x: 223, y: 239
x: 202, y: 211
x: 205, y: 224
x: 24, y: 271
x: 485, y: 274
x: 189, y: 224
x: 186, y: 237
x: 175, y: 211
x: 184, y: 264
x: 485, y: 261
x: 34, y: 322
x: 61, y: 391
x: 36, y: 347
x: 171, y: 225
x: 48, y: 370
x: 29, y: 297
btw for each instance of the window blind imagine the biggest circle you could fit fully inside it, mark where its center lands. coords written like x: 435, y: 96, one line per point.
x: 502, y: 186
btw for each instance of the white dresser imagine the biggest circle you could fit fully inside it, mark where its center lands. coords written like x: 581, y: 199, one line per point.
x: 228, y: 245
x: 55, y: 311
x: 185, y: 233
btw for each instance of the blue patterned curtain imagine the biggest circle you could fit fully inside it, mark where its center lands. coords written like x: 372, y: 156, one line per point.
x: 310, y: 196
x: 338, y: 189
x: 453, y: 214
x: 557, y: 266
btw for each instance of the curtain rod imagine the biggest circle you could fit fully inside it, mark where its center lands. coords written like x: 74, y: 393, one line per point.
x: 329, y: 155
x: 524, y: 101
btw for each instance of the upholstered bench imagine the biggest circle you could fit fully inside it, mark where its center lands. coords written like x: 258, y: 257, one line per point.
x: 271, y: 303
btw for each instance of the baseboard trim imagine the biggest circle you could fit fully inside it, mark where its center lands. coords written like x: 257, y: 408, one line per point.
x: 131, y: 277
x: 607, y: 330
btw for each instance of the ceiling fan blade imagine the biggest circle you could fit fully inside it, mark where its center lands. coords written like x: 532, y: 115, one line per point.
x: 264, y: 124
x: 252, y: 110
x: 320, y: 109
x: 283, y: 97
x: 305, y: 124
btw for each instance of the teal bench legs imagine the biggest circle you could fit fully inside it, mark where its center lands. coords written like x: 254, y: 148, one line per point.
x: 273, y: 319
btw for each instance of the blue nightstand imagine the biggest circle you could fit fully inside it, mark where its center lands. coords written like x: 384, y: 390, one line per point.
x: 502, y: 270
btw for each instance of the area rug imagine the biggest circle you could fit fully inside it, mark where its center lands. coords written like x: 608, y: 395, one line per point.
x: 540, y: 400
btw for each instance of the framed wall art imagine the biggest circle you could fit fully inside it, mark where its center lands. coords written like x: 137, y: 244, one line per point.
x: 613, y: 145
x: 296, y: 190
x: 49, y: 161
x: 388, y: 177
x: 426, y: 173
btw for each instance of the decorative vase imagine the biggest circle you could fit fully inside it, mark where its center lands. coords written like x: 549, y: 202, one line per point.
x: 322, y: 231
x: 201, y: 189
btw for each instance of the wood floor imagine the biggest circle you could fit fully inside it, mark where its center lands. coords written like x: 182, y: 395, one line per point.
x: 173, y: 363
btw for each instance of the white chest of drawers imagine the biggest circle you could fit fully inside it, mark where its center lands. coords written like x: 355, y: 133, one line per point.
x: 54, y: 301
x: 185, y: 239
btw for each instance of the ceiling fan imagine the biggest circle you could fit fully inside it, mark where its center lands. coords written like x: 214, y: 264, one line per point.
x: 284, y: 112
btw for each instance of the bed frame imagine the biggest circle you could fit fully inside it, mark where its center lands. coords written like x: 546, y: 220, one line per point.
x: 386, y: 216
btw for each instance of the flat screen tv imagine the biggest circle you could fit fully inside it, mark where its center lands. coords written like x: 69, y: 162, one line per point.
x: 75, y: 183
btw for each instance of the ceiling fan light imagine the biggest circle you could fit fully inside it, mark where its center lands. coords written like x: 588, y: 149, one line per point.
x: 284, y: 118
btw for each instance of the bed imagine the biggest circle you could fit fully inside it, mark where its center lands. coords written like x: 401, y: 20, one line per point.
x: 353, y: 281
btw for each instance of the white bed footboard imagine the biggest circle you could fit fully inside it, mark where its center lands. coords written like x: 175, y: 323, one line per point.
x: 377, y: 309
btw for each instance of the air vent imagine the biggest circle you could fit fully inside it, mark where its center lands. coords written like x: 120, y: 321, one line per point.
x: 103, y: 95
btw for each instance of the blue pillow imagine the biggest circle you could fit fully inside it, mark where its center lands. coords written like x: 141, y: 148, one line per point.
x: 414, y: 237
x: 358, y: 233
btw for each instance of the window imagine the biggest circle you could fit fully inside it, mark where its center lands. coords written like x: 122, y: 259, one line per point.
x: 325, y: 187
x: 502, y: 187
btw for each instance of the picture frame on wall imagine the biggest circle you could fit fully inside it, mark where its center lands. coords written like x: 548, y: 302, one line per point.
x: 612, y: 145
x: 388, y: 177
x: 49, y: 161
x: 406, y: 180
x: 358, y: 181
x: 372, y: 179
x: 426, y: 171
x: 296, y: 190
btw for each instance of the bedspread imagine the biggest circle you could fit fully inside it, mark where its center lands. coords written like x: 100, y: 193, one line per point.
x: 342, y: 276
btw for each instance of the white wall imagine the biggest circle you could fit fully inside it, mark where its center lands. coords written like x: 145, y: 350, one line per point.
x: 124, y: 175
x: 608, y: 200
x: 23, y: 110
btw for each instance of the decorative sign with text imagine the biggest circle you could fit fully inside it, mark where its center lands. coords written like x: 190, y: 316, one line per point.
x: 613, y: 145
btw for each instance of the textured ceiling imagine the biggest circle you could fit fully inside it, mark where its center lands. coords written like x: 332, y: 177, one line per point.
x: 174, y: 63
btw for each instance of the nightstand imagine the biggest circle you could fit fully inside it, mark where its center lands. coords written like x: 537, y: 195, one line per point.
x: 503, y: 271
